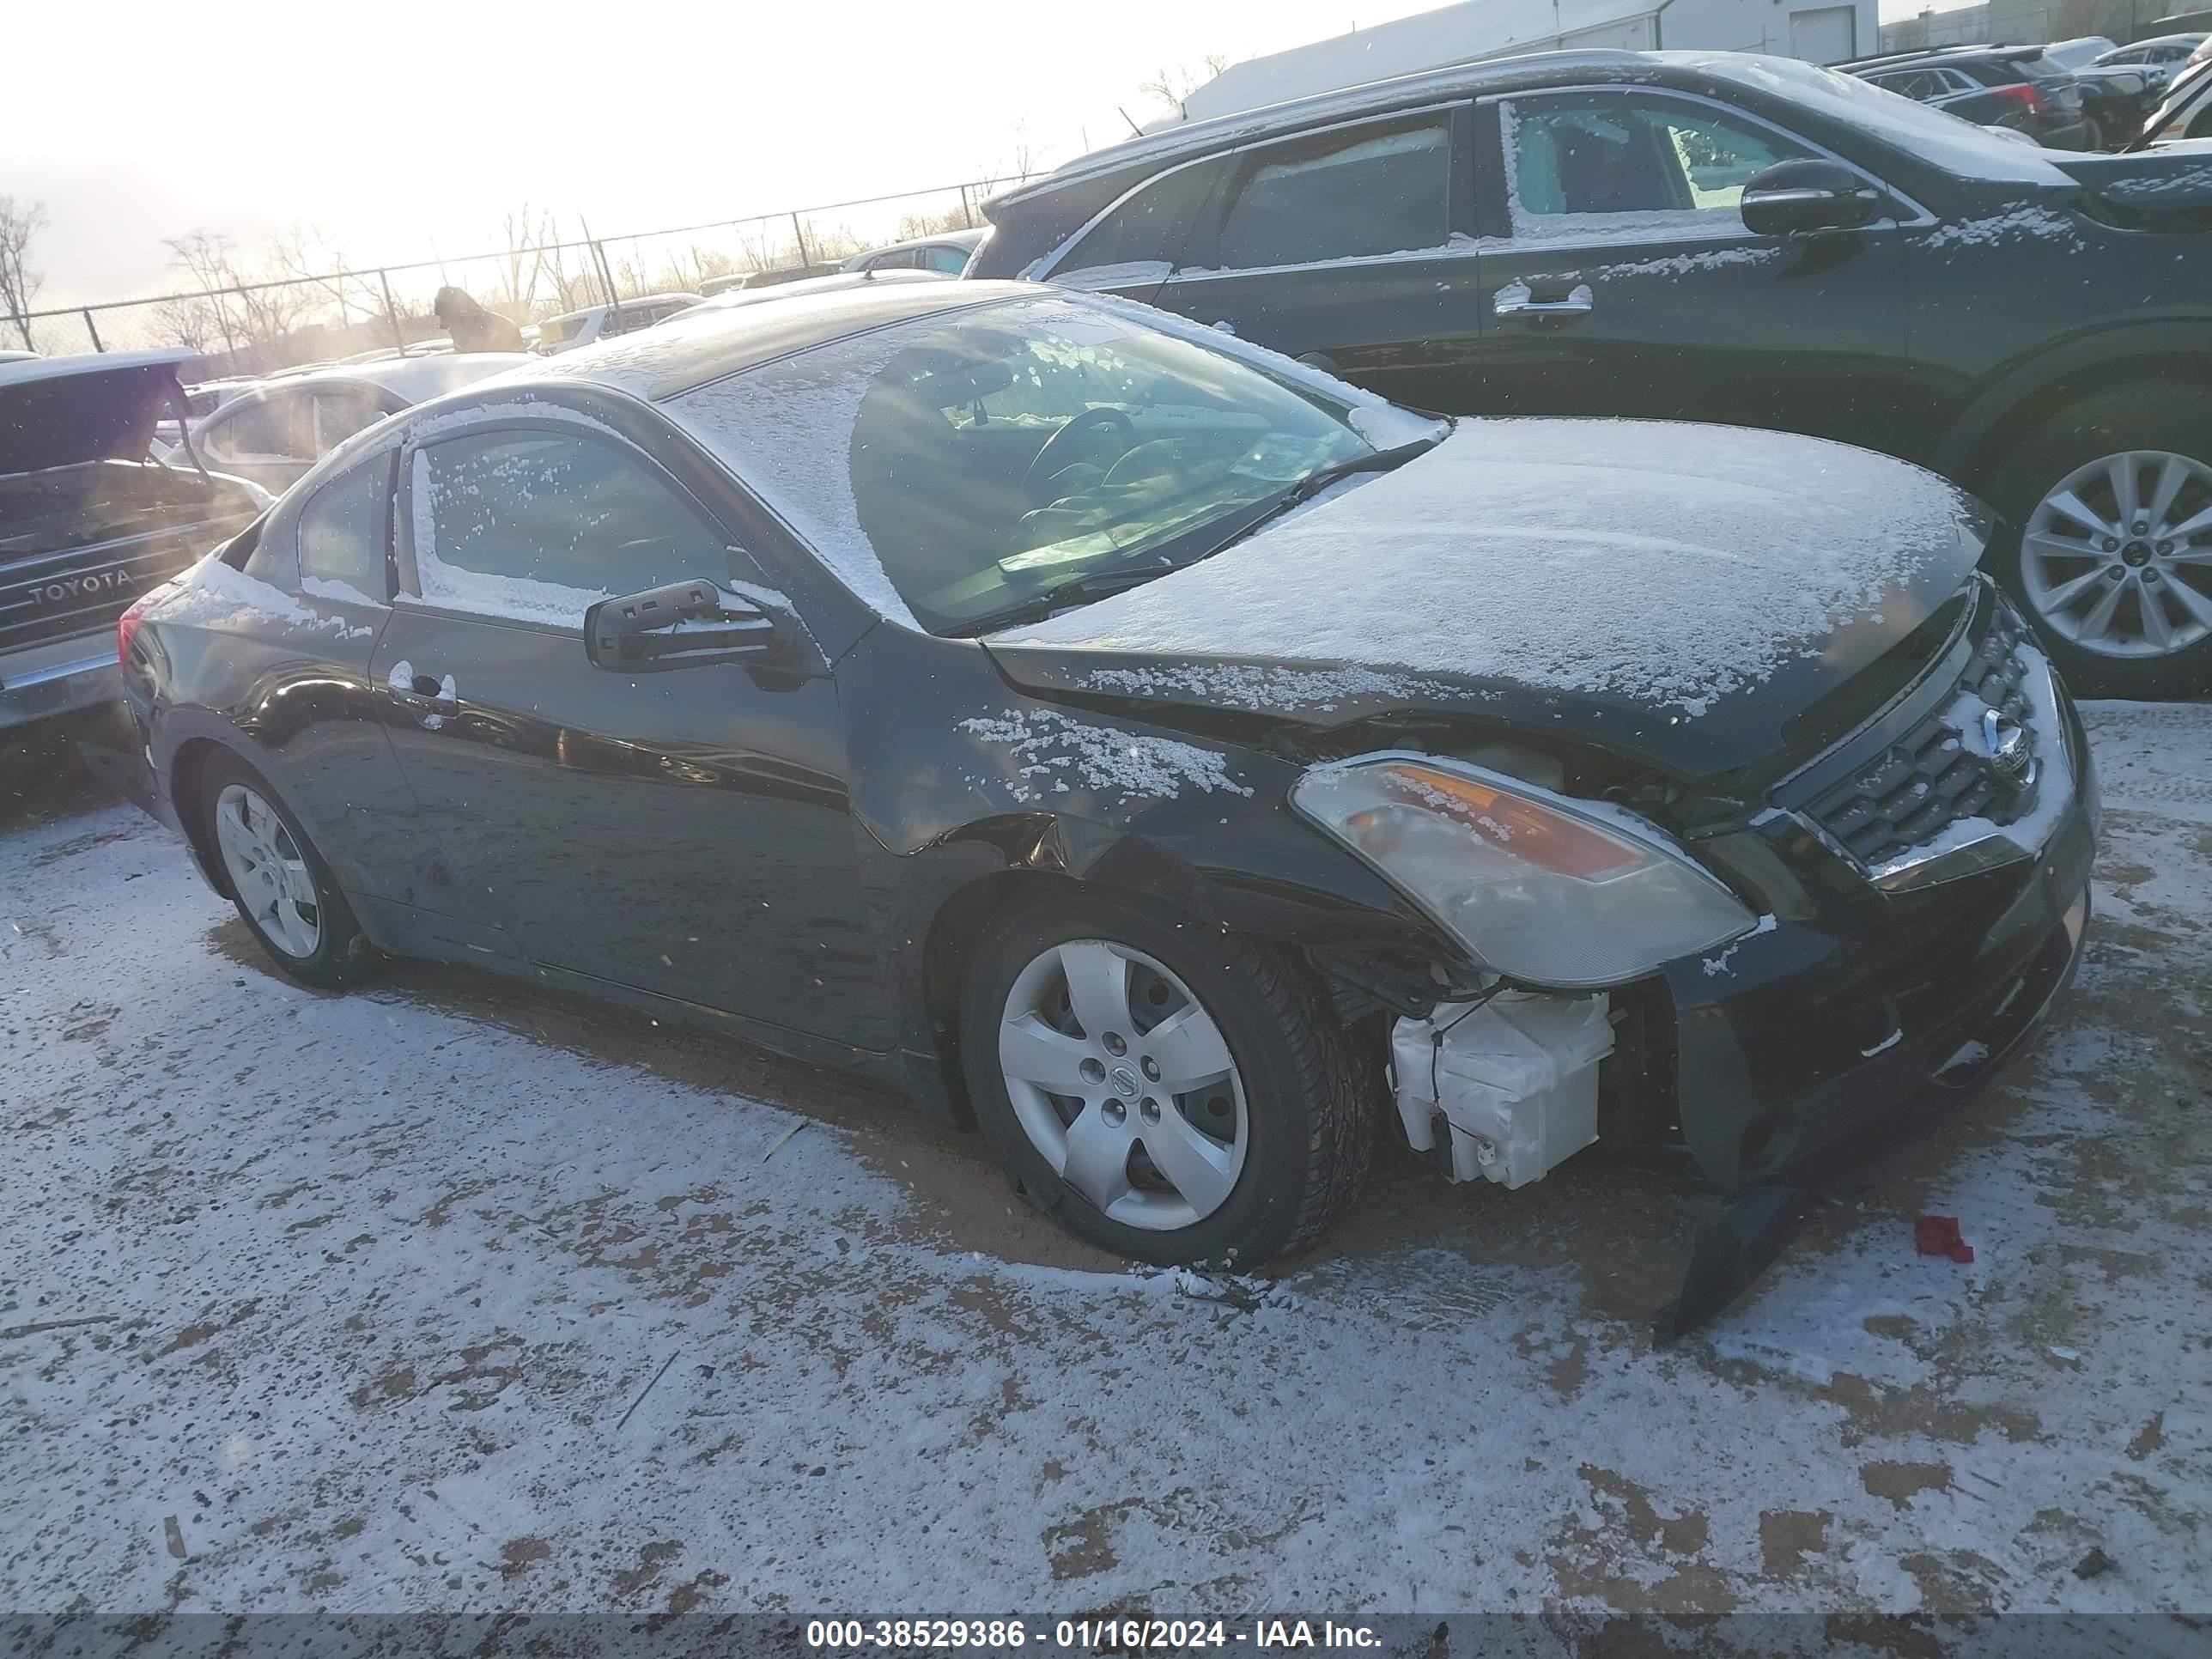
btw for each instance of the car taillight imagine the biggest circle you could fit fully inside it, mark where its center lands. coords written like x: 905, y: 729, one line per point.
x: 2026, y: 96
x: 126, y: 625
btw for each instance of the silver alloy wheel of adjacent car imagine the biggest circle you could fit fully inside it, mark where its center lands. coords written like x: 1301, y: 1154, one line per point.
x: 267, y: 872
x: 2118, y: 556
x: 1125, y: 1084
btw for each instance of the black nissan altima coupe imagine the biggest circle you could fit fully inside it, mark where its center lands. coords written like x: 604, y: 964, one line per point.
x: 1163, y: 756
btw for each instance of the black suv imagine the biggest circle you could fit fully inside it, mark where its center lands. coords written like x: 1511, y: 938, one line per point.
x: 2013, y: 87
x: 1724, y: 238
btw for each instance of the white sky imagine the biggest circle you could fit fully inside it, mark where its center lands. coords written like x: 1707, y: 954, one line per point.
x: 405, y: 128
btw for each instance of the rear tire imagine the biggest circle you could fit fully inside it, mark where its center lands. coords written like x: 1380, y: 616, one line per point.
x: 2059, y: 492
x: 284, y: 891
x: 1272, y: 1140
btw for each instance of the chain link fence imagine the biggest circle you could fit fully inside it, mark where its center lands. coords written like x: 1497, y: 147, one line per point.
x: 259, y: 327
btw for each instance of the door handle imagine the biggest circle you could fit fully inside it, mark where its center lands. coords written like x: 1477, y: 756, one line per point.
x: 431, y: 696
x: 1515, y: 299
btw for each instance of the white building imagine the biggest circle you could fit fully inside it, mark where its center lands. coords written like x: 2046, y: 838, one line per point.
x: 1822, y: 30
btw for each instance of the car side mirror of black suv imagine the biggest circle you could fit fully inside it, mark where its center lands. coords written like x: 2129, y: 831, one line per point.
x: 685, y: 624
x: 1792, y: 198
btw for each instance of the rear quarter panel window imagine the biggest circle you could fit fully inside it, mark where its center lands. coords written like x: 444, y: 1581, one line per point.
x: 342, y: 532
x: 1358, y: 194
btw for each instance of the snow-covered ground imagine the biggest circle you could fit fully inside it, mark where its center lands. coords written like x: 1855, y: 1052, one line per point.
x: 446, y: 1295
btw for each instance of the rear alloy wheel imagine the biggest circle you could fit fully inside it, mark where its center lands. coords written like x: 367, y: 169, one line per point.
x: 2114, y: 504
x: 282, y: 889
x: 1163, y: 1089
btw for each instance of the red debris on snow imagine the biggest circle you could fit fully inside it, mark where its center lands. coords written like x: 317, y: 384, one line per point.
x: 1938, y: 1235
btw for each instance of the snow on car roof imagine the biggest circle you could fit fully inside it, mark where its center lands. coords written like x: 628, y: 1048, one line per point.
x: 713, y: 341
x: 1924, y: 131
x: 635, y: 301
x: 1201, y: 137
x: 27, y: 369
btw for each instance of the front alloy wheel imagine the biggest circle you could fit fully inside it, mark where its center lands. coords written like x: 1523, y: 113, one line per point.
x: 1163, y: 1088
x: 1123, y: 1084
x: 2116, y: 558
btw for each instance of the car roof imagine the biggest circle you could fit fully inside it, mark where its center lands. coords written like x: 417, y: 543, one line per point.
x: 966, y: 239
x: 715, y: 341
x: 835, y: 283
x: 26, y: 369
x: 674, y: 295
x: 416, y: 378
x: 1203, y: 137
x: 1936, y: 55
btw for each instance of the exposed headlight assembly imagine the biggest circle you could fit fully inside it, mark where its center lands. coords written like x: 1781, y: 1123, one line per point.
x: 1547, y: 890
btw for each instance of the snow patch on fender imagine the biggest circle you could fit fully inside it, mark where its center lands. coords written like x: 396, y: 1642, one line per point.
x: 1058, y: 754
x: 212, y: 592
x: 1260, y: 688
x: 2019, y: 224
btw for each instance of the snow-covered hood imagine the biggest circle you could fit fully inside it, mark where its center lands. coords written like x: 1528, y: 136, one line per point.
x: 1675, y: 590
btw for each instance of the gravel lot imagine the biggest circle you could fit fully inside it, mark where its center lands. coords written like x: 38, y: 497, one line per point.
x: 450, y: 1295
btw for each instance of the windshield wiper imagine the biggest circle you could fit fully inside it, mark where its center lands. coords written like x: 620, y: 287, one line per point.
x: 1376, y: 460
x: 1074, y: 591
x: 1100, y: 583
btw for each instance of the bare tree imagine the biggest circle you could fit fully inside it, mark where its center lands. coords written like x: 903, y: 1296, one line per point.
x: 250, y: 309
x: 18, y: 283
x: 205, y: 257
x: 313, y: 259
x: 1171, y: 86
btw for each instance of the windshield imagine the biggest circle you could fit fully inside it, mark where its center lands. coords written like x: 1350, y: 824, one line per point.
x: 971, y: 461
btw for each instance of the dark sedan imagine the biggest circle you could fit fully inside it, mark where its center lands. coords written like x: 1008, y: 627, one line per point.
x: 1715, y: 237
x: 1166, y: 757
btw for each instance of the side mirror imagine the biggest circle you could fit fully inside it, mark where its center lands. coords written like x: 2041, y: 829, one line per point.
x: 1793, y: 198
x: 683, y: 625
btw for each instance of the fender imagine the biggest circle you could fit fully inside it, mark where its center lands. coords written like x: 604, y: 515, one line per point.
x: 2165, y: 333
x: 173, y: 728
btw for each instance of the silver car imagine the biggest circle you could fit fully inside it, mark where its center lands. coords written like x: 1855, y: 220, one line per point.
x: 275, y: 433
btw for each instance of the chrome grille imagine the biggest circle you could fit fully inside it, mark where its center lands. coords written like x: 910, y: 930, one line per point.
x: 1933, y: 775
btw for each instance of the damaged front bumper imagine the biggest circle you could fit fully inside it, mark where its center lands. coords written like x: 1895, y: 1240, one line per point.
x: 1804, y: 1049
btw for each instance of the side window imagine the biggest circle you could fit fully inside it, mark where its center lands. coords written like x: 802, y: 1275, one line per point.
x: 341, y: 533
x: 950, y: 260
x: 539, y: 525
x: 1144, y: 236
x: 276, y: 428
x: 1573, y: 158
x: 339, y: 414
x: 1362, y: 194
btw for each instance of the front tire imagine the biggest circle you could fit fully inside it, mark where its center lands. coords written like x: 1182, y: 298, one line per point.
x: 1164, y: 1089
x: 283, y: 891
x: 2110, y: 508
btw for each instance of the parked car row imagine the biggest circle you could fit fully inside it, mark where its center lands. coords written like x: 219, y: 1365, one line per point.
x: 2016, y: 87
